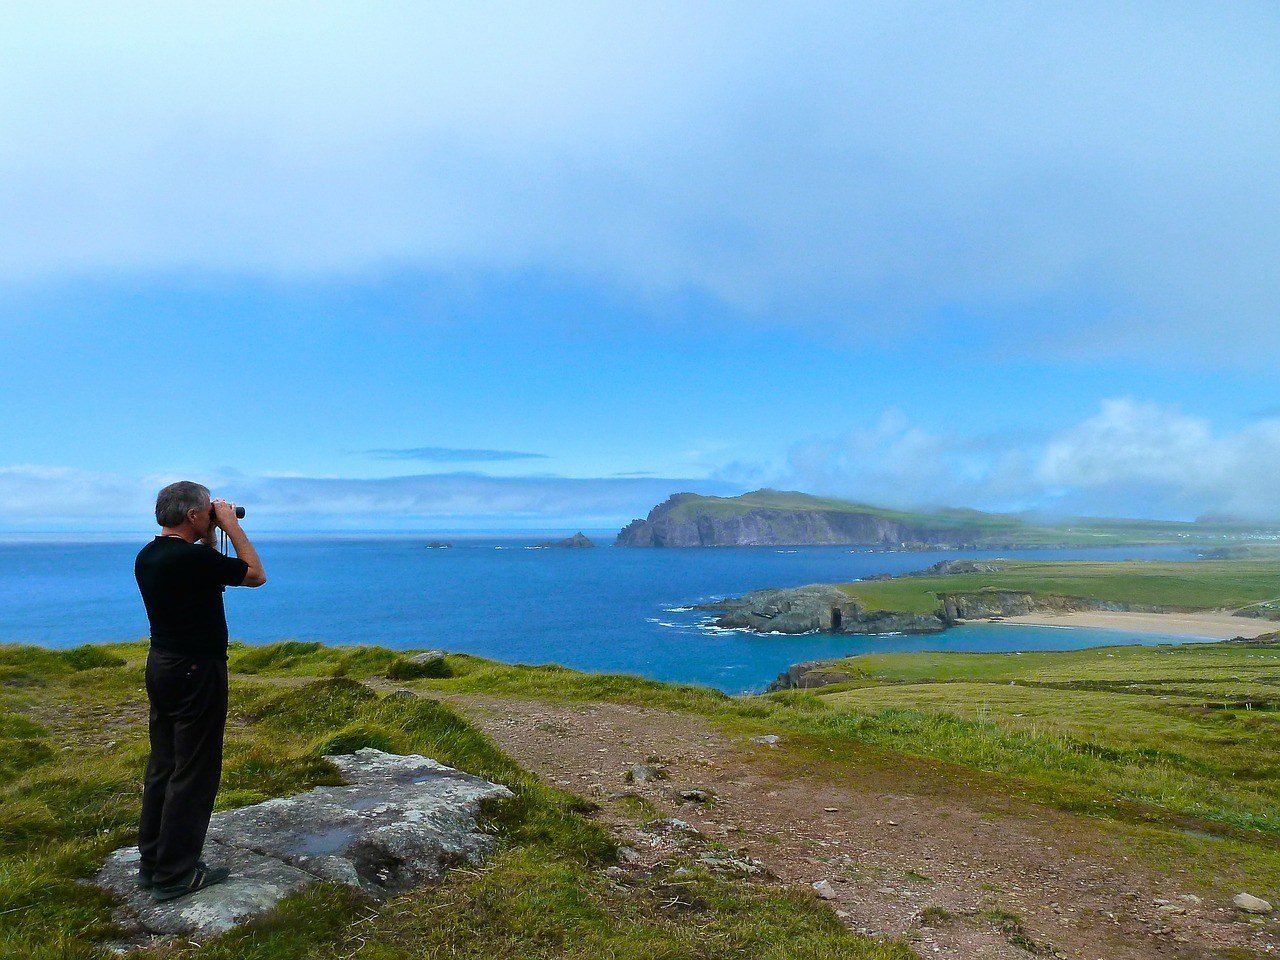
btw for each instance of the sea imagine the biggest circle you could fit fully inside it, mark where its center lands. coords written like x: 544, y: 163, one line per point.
x: 607, y: 609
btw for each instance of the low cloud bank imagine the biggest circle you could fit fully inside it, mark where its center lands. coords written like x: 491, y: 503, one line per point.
x: 38, y: 497
x: 1130, y: 458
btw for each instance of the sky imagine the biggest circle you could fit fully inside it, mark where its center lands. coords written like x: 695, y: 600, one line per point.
x: 515, y: 266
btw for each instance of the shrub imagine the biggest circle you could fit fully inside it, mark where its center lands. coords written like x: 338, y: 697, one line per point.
x: 405, y: 669
x: 89, y: 658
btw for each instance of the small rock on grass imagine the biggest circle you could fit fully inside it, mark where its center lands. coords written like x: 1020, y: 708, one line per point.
x: 427, y: 656
x: 1250, y: 904
x: 628, y: 855
x: 645, y: 773
x: 694, y: 795
x: 673, y: 825
x: 768, y: 740
x: 825, y: 890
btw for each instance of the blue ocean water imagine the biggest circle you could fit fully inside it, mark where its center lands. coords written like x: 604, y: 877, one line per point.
x: 606, y: 609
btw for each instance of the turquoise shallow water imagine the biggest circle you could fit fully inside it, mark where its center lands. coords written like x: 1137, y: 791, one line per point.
x: 604, y: 609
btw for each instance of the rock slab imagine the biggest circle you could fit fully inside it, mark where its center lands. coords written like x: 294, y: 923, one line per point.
x: 397, y: 822
x: 1250, y: 904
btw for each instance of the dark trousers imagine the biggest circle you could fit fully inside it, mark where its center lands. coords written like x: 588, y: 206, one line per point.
x: 188, y: 717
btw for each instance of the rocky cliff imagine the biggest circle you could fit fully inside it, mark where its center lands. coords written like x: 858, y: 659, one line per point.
x: 770, y: 518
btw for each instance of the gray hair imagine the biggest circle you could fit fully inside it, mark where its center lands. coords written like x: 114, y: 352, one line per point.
x: 173, y: 502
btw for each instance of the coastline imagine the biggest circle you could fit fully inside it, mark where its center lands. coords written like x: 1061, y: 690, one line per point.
x: 1210, y: 625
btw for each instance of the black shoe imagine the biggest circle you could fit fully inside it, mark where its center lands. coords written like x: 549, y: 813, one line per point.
x: 147, y: 876
x: 203, y: 876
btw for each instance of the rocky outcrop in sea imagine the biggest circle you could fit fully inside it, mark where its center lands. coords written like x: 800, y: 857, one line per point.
x: 818, y: 607
x: 579, y: 541
x: 825, y: 608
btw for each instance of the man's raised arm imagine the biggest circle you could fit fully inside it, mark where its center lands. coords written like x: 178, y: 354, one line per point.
x: 224, y: 514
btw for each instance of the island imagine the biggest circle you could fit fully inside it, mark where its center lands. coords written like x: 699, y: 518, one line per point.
x: 1209, y: 598
x: 787, y: 518
x: 579, y: 541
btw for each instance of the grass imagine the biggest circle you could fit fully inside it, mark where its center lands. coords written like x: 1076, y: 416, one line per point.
x: 1176, y: 746
x: 1176, y: 730
x: 1170, y: 734
x: 72, y: 749
x: 1189, y: 585
x: 1174, y: 750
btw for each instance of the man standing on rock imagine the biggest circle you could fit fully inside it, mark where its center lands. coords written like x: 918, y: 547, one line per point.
x: 182, y: 577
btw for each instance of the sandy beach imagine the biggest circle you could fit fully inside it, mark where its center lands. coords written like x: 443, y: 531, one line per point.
x: 1211, y: 625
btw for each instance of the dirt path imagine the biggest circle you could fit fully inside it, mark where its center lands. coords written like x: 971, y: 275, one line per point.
x: 907, y: 851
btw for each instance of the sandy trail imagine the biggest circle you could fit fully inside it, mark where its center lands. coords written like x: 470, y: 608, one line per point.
x: 901, y: 843
x: 1211, y: 626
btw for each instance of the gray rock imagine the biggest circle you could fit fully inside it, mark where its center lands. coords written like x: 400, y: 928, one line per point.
x: 257, y: 884
x: 427, y: 656
x: 398, y: 821
x: 669, y: 825
x: 628, y: 855
x: 1250, y: 904
x: 694, y: 795
x: 824, y: 889
x: 402, y: 694
x: 728, y: 863
x: 645, y: 773
x: 768, y: 740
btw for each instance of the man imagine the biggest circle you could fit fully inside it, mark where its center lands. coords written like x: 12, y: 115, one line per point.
x: 182, y: 578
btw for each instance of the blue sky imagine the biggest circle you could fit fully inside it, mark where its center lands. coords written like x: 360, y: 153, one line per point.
x: 537, y: 266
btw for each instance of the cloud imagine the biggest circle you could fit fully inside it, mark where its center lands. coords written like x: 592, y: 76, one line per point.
x: 1091, y: 180
x: 36, y: 497
x: 451, y: 454
x: 1130, y: 458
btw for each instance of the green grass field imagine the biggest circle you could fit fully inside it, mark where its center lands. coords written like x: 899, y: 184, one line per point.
x: 72, y: 750
x: 1190, y: 585
x: 1174, y: 730
x: 1176, y: 748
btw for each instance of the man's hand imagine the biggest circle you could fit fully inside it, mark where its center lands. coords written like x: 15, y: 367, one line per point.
x: 224, y: 515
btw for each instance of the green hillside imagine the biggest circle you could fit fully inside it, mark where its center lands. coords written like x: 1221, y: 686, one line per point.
x: 1192, y: 585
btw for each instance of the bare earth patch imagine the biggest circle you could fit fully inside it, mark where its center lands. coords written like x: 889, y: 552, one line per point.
x: 905, y: 849
x: 1213, y: 626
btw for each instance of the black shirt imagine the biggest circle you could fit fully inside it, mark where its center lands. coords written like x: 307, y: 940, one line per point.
x: 181, y: 586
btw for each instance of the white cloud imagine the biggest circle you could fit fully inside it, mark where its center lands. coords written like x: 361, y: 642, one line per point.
x: 1132, y: 455
x: 1103, y: 174
x: 1130, y: 458
x: 37, y: 497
